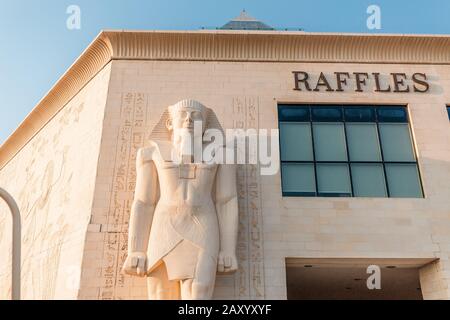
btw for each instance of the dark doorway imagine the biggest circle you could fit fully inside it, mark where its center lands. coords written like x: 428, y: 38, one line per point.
x: 342, y: 281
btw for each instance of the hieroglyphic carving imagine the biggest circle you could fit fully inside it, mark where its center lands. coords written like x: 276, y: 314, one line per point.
x: 137, y: 141
x: 41, y: 197
x: 52, y: 179
x: 254, y: 212
x: 51, y: 262
x: 42, y: 228
x: 250, y: 277
x: 130, y: 138
x: 239, y: 114
x: 255, y: 225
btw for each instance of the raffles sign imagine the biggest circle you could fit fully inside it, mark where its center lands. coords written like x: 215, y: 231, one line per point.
x: 361, y: 82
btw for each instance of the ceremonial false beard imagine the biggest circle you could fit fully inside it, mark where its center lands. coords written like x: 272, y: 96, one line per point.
x: 188, y: 144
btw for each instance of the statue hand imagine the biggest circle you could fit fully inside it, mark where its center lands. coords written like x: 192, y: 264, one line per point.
x: 135, y: 264
x: 227, y: 262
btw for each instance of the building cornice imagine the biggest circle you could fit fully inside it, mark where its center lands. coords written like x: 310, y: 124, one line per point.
x: 224, y: 45
x: 279, y: 46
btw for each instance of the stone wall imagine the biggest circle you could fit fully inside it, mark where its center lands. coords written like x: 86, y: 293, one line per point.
x: 53, y: 178
x: 272, y: 228
x: 96, y: 195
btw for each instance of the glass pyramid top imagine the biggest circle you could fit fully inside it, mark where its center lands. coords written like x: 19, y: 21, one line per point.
x: 245, y: 22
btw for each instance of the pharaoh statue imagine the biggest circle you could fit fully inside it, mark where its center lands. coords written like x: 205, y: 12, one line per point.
x: 184, y: 218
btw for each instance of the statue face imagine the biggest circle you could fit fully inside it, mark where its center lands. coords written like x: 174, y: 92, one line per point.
x: 184, y: 118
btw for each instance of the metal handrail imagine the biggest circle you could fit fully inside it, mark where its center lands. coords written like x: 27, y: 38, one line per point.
x: 16, y: 243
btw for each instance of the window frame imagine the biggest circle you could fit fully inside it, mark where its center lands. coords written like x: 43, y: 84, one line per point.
x: 349, y: 163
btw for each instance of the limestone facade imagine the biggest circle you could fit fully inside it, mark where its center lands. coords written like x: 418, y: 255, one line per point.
x: 73, y: 173
x: 53, y: 180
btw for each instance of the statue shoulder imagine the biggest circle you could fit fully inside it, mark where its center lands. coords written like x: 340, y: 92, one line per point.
x: 155, y: 151
x: 146, y: 154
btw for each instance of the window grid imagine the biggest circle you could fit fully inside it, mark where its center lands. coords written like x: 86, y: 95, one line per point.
x: 349, y: 162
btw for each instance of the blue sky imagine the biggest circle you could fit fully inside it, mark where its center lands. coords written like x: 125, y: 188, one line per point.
x: 36, y: 46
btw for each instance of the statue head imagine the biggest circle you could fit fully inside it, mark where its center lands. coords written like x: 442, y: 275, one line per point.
x: 184, y: 114
x: 175, y: 117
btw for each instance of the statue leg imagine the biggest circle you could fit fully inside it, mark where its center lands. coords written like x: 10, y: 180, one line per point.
x: 186, y: 289
x: 159, y: 286
x: 202, y: 286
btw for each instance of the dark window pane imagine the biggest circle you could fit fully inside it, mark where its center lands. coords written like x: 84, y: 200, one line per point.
x: 293, y: 113
x: 392, y: 114
x: 327, y: 114
x: 299, y: 178
x: 364, y: 114
x: 448, y: 111
x: 333, y: 180
x: 403, y: 181
x: 296, y: 141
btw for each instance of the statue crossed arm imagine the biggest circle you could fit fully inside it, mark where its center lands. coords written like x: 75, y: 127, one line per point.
x: 184, y: 218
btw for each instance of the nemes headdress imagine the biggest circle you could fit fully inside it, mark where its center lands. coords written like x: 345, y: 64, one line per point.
x: 160, y: 132
x: 189, y: 104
